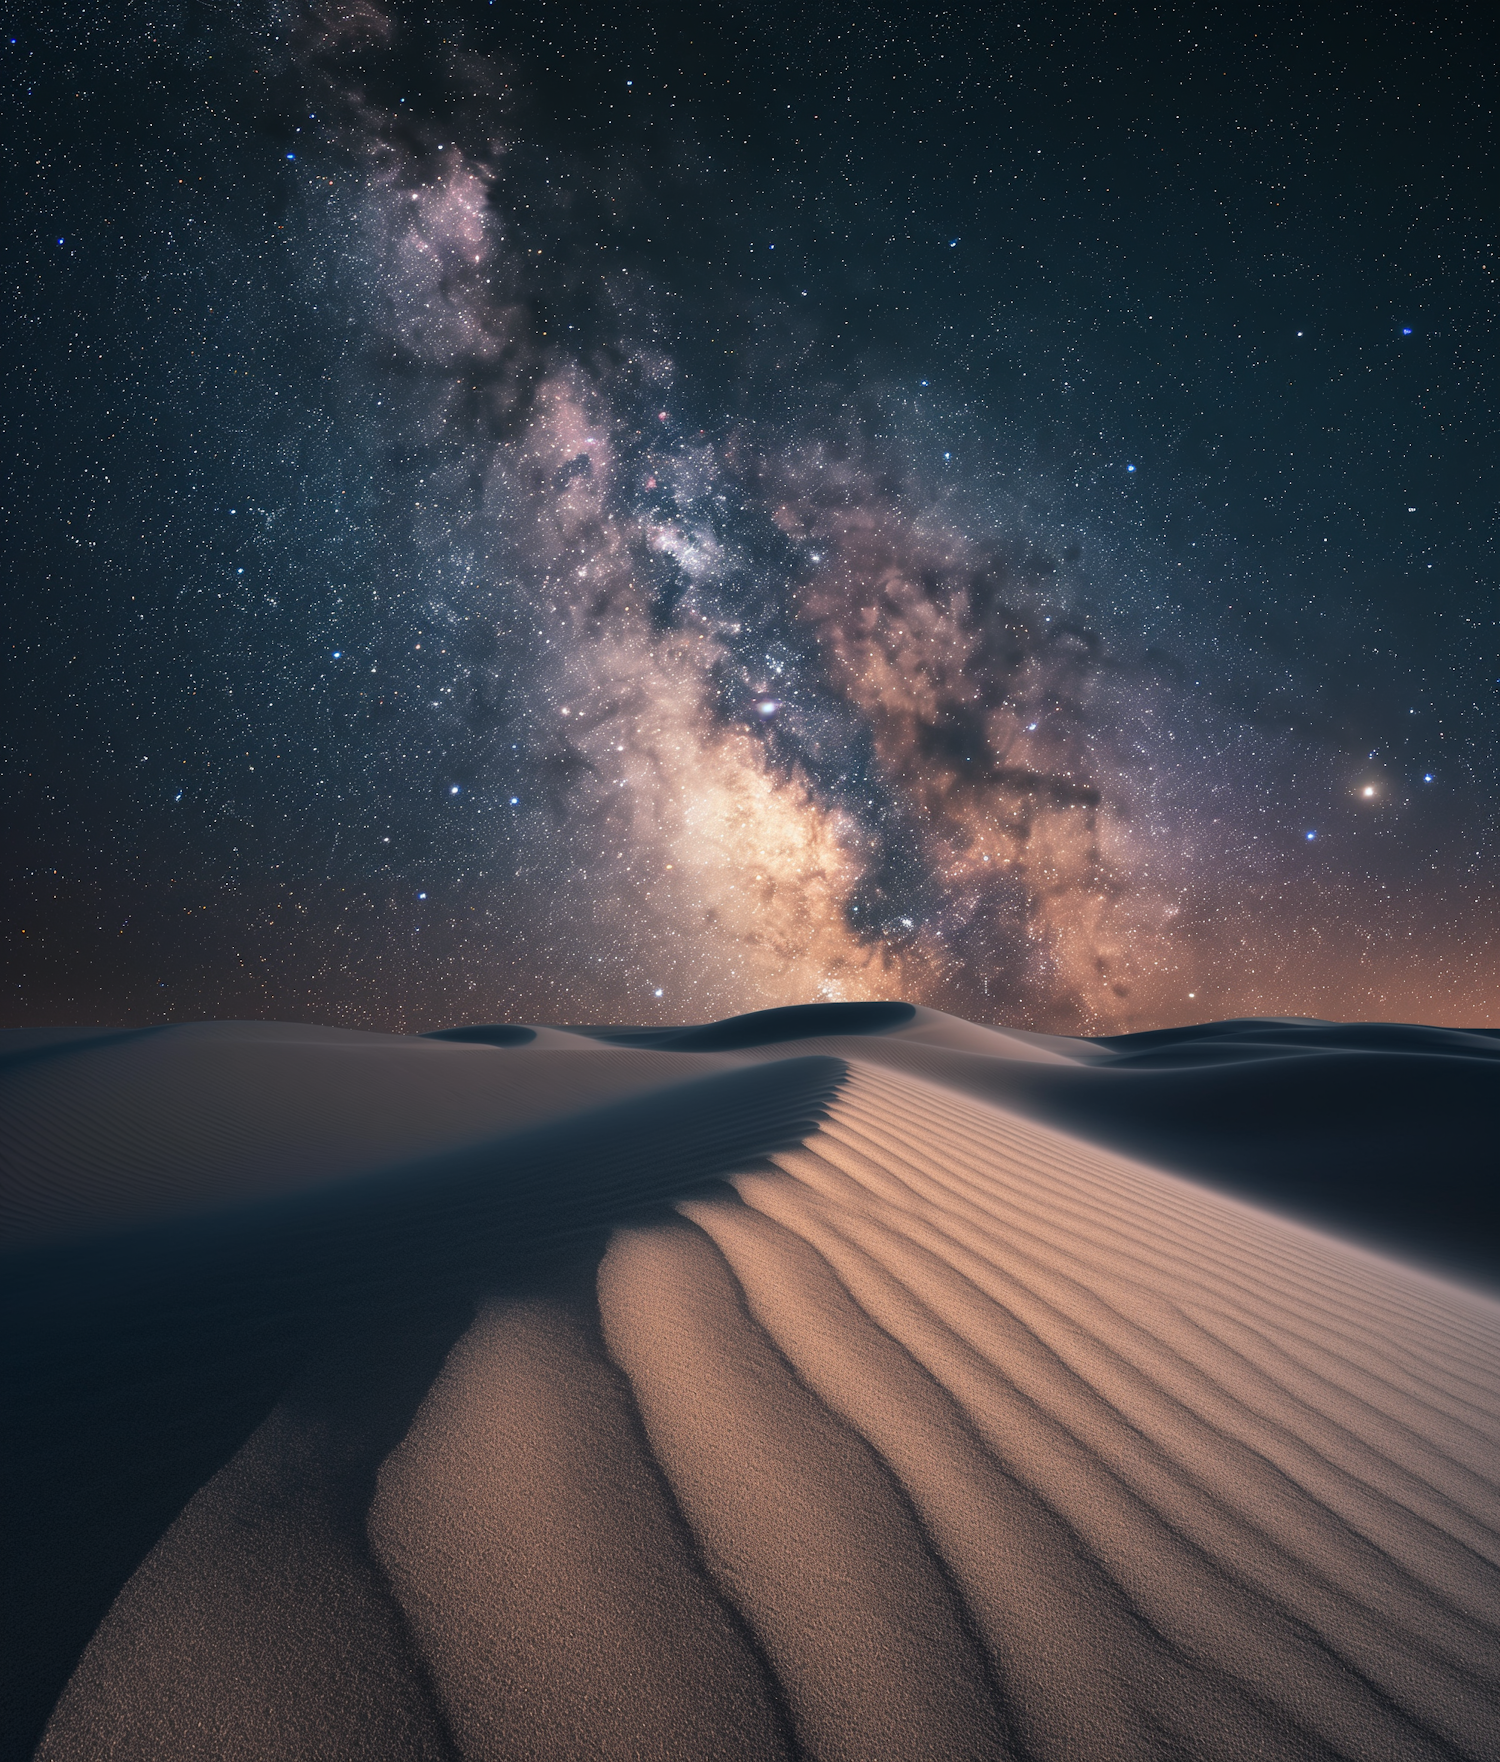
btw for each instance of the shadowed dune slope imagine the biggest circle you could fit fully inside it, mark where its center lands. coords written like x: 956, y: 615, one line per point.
x: 112, y: 1132
x: 826, y: 1407
x: 764, y: 1027
x: 1385, y: 1128
x: 1382, y: 1130
x: 486, y: 1034
x: 137, y: 1361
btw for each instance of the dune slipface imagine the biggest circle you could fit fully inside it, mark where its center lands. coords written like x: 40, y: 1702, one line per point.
x: 788, y: 1396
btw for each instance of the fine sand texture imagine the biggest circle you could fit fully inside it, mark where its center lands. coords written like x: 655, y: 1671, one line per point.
x: 793, y: 1386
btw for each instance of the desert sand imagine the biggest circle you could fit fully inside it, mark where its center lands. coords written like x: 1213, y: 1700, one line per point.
x: 849, y: 1383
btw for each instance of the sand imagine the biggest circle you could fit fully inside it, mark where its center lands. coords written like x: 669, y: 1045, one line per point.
x: 791, y: 1387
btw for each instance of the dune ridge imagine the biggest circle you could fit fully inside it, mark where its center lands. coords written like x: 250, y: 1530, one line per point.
x: 138, y: 1360
x: 888, y: 1422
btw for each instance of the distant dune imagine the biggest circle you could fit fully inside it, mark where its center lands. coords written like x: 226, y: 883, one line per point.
x: 847, y: 1382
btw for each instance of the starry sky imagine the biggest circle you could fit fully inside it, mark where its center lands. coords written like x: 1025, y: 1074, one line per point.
x: 555, y: 513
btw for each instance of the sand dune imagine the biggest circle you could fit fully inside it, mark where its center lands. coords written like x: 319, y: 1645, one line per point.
x: 147, y: 1126
x: 774, y: 1389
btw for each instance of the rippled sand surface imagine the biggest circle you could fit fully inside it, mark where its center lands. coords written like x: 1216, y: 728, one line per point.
x: 789, y: 1394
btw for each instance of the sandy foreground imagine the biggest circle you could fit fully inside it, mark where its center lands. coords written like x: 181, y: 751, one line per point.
x: 791, y: 1387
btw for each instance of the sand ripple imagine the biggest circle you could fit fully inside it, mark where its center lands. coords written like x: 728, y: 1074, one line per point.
x: 938, y: 1434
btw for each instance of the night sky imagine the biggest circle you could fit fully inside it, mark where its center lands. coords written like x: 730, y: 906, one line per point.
x: 636, y: 515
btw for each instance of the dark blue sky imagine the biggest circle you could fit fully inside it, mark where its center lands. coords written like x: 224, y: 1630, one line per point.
x: 585, y: 515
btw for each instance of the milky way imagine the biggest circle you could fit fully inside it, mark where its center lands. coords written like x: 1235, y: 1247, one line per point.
x: 585, y: 617
x: 786, y: 714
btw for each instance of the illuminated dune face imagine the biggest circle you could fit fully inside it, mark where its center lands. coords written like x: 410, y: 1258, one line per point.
x: 1228, y: 1481
x: 937, y: 1433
